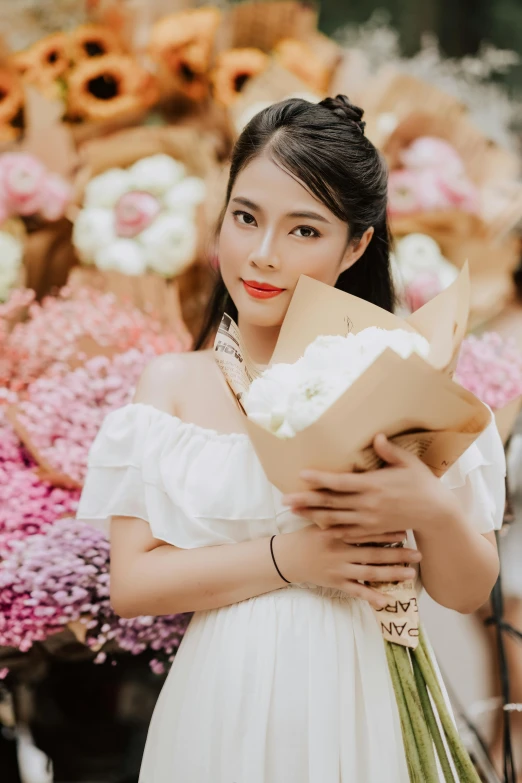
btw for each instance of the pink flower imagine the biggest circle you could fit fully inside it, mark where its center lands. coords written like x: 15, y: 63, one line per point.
x: 56, y: 195
x: 134, y: 212
x: 430, y: 152
x: 22, y: 178
x: 422, y: 289
x: 490, y: 367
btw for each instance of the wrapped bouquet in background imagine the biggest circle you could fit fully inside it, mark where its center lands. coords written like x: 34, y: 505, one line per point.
x: 420, y: 271
x: 140, y: 219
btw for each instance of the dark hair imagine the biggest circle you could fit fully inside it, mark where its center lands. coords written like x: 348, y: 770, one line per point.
x: 323, y: 145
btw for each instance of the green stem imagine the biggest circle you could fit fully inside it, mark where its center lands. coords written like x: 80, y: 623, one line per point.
x: 408, y: 738
x: 420, y: 729
x: 466, y: 770
x: 431, y: 720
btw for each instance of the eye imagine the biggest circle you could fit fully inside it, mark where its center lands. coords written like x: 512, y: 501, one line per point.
x: 244, y: 218
x: 307, y: 232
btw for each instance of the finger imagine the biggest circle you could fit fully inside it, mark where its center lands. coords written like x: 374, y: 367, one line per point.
x: 336, y: 482
x: 374, y: 597
x: 324, y: 499
x: 388, y: 555
x: 324, y: 517
x: 390, y: 452
x: 383, y: 573
x: 349, y: 537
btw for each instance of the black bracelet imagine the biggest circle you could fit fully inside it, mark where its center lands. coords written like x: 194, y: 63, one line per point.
x: 273, y: 558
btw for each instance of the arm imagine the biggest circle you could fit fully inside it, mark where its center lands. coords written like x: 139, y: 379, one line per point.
x: 459, y: 565
x: 149, y: 577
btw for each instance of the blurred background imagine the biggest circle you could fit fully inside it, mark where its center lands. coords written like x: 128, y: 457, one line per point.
x: 118, y: 108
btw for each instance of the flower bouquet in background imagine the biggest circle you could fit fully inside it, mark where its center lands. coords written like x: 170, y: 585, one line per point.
x: 490, y: 366
x: 342, y: 371
x: 420, y: 271
x: 59, y: 580
x: 141, y: 224
x: 77, y: 356
x: 88, y: 71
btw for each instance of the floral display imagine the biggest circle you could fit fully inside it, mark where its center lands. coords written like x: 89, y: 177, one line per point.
x: 432, y: 177
x: 75, y: 404
x: 27, y: 188
x: 28, y: 505
x: 58, y: 330
x: 490, y: 366
x: 286, y: 398
x: 49, y: 581
x: 140, y: 218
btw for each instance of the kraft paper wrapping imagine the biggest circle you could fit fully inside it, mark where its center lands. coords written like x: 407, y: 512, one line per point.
x: 414, y: 402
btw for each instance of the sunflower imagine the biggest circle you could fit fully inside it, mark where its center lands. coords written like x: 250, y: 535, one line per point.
x: 181, y: 44
x: 233, y: 69
x: 109, y: 87
x: 301, y: 60
x: 93, y: 40
x: 43, y: 63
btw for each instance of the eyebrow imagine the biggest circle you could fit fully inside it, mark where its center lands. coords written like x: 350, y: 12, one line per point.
x: 305, y: 214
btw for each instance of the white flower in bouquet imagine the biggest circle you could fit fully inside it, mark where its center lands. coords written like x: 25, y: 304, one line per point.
x: 169, y: 244
x: 266, y: 402
x: 286, y: 398
x: 11, y: 254
x: 122, y: 255
x: 186, y: 195
x: 155, y: 174
x: 107, y: 188
x: 93, y: 230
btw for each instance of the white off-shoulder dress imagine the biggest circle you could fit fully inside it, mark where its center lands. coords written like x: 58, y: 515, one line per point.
x: 288, y: 687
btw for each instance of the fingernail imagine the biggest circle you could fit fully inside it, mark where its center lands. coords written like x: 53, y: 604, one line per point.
x: 411, y: 573
x: 307, y: 475
x: 416, y: 556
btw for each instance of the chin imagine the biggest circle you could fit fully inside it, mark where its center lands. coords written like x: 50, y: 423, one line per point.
x: 266, y: 313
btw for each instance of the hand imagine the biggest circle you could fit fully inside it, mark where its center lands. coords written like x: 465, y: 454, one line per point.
x: 403, y: 495
x: 329, y: 558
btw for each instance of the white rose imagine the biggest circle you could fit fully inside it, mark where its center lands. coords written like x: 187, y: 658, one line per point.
x: 93, y: 229
x: 169, y: 244
x: 373, y: 341
x: 156, y: 174
x: 123, y: 255
x: 11, y: 253
x: 419, y: 253
x: 185, y: 196
x: 107, y: 188
x: 310, y: 400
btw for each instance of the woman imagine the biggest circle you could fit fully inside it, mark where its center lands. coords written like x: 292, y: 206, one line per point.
x: 282, y: 675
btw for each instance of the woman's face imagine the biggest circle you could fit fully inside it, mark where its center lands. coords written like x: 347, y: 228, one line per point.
x: 273, y: 231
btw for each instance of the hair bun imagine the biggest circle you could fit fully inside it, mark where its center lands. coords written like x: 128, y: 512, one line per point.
x: 341, y: 106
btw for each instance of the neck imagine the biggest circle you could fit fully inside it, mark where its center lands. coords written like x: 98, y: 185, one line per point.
x: 259, y: 341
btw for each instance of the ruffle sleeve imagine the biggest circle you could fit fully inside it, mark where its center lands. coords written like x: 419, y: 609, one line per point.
x: 478, y: 480
x: 195, y: 487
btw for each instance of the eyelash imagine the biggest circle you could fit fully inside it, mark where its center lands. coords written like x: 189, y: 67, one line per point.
x: 316, y: 234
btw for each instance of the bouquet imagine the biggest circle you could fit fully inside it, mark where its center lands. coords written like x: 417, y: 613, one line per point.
x: 59, y: 580
x: 140, y: 218
x: 420, y: 270
x: 342, y: 365
x: 490, y: 366
x: 29, y: 189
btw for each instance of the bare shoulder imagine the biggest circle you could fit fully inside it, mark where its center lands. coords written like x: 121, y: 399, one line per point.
x: 168, y: 377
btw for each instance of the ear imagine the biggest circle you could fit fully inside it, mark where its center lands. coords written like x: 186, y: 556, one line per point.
x: 355, y: 249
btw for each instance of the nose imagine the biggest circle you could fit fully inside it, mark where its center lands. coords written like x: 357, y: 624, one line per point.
x: 264, y: 254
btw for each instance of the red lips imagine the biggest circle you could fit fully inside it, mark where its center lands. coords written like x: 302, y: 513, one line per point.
x: 261, y: 290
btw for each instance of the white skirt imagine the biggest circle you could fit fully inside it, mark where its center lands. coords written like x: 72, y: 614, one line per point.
x: 289, y: 687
